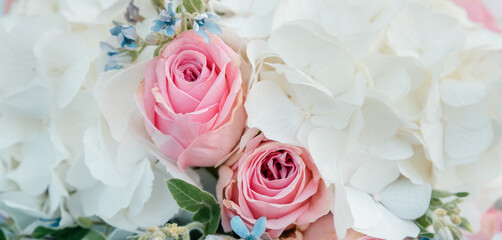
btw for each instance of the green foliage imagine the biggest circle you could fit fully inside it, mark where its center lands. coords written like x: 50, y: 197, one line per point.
x: 158, y: 3
x: 194, y: 6
x: 444, y: 215
x: 94, y: 235
x: 75, y: 232
x: 2, y: 235
x: 195, y: 200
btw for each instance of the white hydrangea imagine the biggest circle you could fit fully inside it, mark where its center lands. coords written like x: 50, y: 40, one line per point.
x: 382, y: 93
x: 58, y: 152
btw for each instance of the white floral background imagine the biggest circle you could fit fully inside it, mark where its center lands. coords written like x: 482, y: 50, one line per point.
x: 439, y: 123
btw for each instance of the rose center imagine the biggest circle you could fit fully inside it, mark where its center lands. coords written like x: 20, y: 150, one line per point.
x: 190, y: 73
x: 278, y: 165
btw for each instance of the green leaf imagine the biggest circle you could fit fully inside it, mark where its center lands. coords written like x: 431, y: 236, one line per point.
x: 179, y: 9
x: 94, y: 235
x: 194, y: 6
x: 465, y: 224
x: 2, y: 235
x: 462, y: 194
x: 75, y: 232
x: 202, y: 215
x: 440, y: 194
x: 426, y: 235
x: 193, y: 199
x: 41, y: 232
x: 158, y: 3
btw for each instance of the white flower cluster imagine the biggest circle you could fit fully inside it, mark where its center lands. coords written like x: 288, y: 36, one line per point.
x: 391, y: 97
x: 59, y: 156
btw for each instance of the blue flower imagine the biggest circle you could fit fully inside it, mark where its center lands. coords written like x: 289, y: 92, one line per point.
x: 167, y: 21
x: 240, y: 228
x: 126, y: 35
x: 206, y: 22
x: 114, y: 57
x: 53, y: 222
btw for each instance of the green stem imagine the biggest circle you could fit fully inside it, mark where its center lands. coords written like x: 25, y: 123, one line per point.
x: 192, y: 226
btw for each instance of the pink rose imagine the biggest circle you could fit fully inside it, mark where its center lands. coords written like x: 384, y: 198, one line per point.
x: 478, y: 12
x: 275, y: 180
x: 192, y: 100
x: 491, y: 225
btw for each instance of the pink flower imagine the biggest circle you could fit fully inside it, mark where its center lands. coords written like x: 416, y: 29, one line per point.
x: 478, y: 12
x: 274, y: 180
x: 491, y: 225
x: 8, y: 5
x: 192, y: 100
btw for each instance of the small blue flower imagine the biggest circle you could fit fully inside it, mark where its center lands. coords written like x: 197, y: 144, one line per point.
x: 115, y: 57
x: 167, y: 21
x: 54, y: 222
x: 206, y: 22
x: 126, y: 35
x: 240, y: 228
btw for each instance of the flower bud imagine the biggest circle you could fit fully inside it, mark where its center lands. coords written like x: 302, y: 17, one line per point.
x: 158, y: 235
x: 455, y: 219
x: 440, y: 212
x: 457, y: 235
x: 442, y: 231
x: 465, y: 224
x: 153, y: 229
x: 152, y: 38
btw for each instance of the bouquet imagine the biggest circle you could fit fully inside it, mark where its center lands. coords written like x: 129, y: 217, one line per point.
x: 251, y: 119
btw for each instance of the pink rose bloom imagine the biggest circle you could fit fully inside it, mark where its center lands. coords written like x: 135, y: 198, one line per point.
x: 478, y: 12
x: 192, y: 100
x: 275, y: 180
x: 491, y: 225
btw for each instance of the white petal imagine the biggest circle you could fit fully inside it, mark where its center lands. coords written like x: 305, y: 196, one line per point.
x: 78, y: 175
x: 355, y: 36
x: 460, y: 142
x: 270, y: 110
x: 393, y: 149
x: 114, y: 94
x: 160, y: 206
x: 433, y: 137
x: 390, y: 227
x: 327, y: 147
x: 373, y: 175
x: 471, y: 117
x: 405, y: 199
x: 380, y: 12
x: 423, y: 34
x: 418, y: 168
x: 364, y: 209
x: 389, y: 75
x: 62, y: 58
x: 458, y: 93
x: 343, y: 218
x: 297, y: 44
x: 33, y: 175
x: 100, y: 156
x: 143, y: 191
x: 380, y: 122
